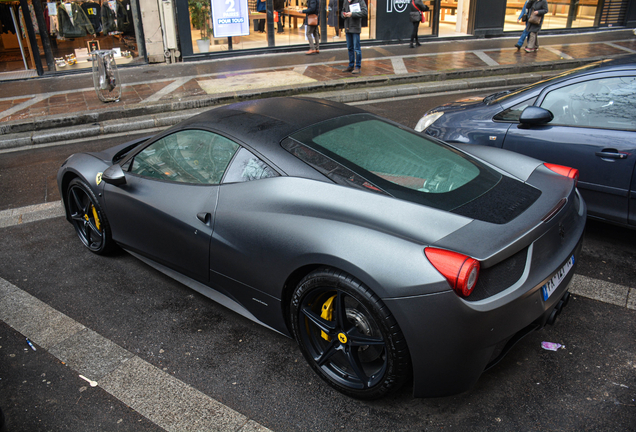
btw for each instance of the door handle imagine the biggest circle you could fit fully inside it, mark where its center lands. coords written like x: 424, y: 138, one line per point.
x: 204, y: 217
x: 611, y: 155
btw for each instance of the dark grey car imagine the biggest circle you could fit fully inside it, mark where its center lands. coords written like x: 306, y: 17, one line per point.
x: 385, y: 254
x: 591, y: 126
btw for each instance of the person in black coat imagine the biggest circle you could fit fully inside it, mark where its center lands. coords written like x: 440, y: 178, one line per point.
x: 279, y: 5
x: 416, y: 14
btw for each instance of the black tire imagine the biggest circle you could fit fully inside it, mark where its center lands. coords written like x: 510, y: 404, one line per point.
x: 359, y: 350
x: 87, y: 217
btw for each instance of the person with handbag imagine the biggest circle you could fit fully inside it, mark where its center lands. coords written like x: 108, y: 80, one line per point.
x: 312, y: 21
x: 353, y: 11
x: 416, y: 14
x: 536, y: 11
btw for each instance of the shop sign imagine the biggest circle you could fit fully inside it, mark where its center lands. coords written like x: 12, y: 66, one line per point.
x: 398, y: 6
x: 230, y: 18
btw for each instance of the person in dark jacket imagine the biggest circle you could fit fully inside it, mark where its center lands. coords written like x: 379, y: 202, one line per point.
x: 279, y: 5
x: 261, y: 6
x: 334, y: 18
x: 353, y: 11
x: 313, y: 32
x: 416, y: 13
x: 538, y: 8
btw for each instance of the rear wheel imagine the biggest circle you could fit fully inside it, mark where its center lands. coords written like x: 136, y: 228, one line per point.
x: 87, y: 217
x: 348, y: 335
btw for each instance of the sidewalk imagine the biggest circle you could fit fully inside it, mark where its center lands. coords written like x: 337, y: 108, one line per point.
x: 47, y: 110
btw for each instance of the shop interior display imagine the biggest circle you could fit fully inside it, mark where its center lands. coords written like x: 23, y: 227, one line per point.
x: 75, y: 28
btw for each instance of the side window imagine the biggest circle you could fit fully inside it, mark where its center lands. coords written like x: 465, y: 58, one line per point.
x: 191, y: 156
x: 513, y: 113
x: 247, y: 167
x: 608, y: 103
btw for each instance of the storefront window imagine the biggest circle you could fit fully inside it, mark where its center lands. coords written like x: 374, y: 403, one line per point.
x: 288, y: 29
x: 16, y: 52
x: 75, y: 29
x: 562, y: 14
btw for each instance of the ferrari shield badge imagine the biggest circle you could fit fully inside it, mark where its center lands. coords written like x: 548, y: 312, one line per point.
x: 98, y: 178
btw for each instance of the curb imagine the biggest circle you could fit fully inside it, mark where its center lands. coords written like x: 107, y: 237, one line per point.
x: 50, y: 129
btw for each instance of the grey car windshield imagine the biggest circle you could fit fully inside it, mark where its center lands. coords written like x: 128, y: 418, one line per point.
x: 397, y: 161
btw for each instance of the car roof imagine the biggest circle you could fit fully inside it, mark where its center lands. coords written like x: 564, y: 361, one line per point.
x: 262, y: 124
x: 267, y: 121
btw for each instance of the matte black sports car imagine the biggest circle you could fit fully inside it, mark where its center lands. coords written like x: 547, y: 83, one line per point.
x: 385, y: 254
x: 584, y: 118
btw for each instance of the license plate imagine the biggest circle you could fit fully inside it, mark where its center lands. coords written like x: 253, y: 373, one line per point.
x: 556, y: 280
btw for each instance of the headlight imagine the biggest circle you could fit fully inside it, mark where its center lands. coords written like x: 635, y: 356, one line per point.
x: 427, y: 120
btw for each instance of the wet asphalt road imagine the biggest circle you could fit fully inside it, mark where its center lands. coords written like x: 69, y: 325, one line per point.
x: 589, y: 385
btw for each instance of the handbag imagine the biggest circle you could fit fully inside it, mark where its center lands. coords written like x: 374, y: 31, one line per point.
x: 312, y: 20
x: 419, y: 15
x: 534, y: 19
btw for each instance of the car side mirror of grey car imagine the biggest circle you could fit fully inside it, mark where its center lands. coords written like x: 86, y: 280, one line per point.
x: 114, y: 175
x: 532, y: 116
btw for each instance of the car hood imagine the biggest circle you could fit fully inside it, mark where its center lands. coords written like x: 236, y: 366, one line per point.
x: 462, y: 104
x: 114, y: 154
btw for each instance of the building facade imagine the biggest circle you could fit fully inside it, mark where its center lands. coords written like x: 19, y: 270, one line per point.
x: 40, y: 36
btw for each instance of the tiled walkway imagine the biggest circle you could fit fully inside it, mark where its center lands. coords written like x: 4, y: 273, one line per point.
x: 164, y: 89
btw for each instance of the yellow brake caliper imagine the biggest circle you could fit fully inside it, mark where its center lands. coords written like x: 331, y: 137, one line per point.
x: 327, y: 314
x: 97, y: 224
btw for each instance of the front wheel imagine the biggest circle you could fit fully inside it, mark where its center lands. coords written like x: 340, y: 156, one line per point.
x: 348, y: 335
x: 87, y: 217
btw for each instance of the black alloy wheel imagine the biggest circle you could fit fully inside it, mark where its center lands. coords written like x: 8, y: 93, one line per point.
x: 348, y: 335
x: 87, y: 217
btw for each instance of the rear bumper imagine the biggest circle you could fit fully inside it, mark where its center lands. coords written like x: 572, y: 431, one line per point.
x: 452, y: 341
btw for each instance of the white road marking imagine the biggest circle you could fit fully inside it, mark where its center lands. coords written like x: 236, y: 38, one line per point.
x: 163, y: 399
x: 23, y: 105
x: 30, y: 213
x: 166, y: 90
x: 620, y: 47
x: 485, y: 58
x: 559, y: 53
x: 399, y: 67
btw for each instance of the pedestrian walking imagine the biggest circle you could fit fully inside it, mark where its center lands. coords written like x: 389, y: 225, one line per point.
x: 353, y: 11
x: 523, y: 17
x: 536, y: 11
x: 312, y: 21
x: 416, y: 14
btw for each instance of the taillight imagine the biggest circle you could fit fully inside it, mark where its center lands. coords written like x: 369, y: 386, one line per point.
x: 572, y: 173
x: 461, y: 271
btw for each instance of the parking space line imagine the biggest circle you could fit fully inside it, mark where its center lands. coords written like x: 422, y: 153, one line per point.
x: 30, y: 213
x: 163, y: 399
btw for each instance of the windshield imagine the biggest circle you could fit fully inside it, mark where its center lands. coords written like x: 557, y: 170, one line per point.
x: 402, y: 163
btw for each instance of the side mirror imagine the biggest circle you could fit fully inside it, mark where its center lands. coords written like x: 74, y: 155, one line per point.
x: 114, y: 175
x: 535, y: 116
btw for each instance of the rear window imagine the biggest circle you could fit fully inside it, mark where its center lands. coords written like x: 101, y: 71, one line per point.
x: 396, y: 161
